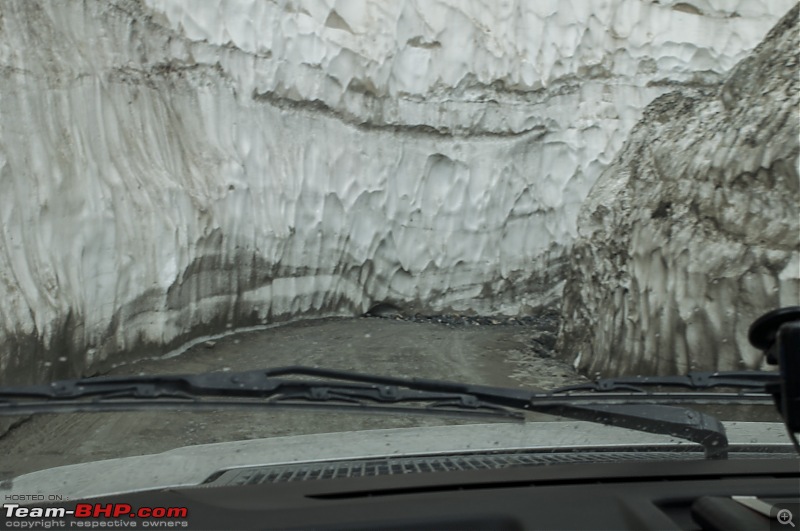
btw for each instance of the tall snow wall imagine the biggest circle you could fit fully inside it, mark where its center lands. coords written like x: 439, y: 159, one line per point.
x: 175, y: 168
x: 694, y: 230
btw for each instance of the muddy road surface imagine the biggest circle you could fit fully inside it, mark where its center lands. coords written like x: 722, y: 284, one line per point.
x: 486, y: 351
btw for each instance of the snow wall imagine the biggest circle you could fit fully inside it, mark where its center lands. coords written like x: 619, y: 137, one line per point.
x: 694, y: 230
x: 171, y: 168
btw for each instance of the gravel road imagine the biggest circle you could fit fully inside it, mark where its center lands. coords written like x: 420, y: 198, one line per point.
x: 492, y: 351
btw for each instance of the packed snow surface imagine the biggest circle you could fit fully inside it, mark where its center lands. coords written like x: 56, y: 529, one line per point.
x: 172, y: 168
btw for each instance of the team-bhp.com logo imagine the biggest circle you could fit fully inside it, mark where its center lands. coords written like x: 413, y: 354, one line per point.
x: 151, y: 516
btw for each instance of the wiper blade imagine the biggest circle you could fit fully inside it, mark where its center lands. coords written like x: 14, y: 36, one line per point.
x: 756, y: 381
x: 248, y: 388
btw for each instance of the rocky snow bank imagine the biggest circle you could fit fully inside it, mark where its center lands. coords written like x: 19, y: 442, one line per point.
x: 694, y: 230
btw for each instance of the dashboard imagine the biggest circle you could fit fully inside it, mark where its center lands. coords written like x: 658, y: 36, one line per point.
x: 642, y: 495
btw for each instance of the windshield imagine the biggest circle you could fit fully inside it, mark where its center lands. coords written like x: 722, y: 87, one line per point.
x: 528, y: 195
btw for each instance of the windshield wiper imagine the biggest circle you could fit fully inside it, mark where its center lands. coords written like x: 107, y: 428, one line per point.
x: 328, y: 385
x: 626, y: 401
x: 259, y: 388
x: 348, y: 390
x: 753, y: 380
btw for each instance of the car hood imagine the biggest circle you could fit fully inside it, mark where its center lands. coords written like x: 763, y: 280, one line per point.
x: 192, y: 465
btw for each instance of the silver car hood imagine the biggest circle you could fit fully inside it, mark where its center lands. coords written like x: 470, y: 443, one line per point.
x: 191, y: 465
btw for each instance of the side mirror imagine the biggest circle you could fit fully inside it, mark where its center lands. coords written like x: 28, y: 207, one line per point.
x: 777, y: 333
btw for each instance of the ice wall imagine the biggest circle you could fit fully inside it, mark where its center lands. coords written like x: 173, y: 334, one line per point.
x: 171, y: 168
x: 694, y: 230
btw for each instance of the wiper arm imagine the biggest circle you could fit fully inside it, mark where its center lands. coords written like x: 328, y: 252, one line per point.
x: 346, y: 389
